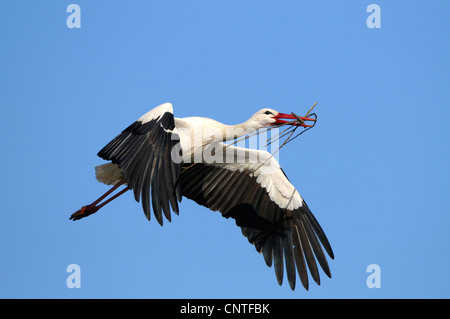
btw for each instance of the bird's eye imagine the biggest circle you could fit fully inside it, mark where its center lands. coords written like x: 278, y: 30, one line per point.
x: 268, y: 112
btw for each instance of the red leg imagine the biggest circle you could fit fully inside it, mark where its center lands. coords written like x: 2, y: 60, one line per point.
x: 93, y: 208
x: 113, y: 197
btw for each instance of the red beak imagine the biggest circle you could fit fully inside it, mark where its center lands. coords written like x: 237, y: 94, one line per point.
x: 295, y: 121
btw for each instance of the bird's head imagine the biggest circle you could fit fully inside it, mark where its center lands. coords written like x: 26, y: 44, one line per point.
x: 268, y: 117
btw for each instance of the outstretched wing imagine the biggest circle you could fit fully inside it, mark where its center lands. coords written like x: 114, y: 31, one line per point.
x: 143, y: 153
x: 269, y: 210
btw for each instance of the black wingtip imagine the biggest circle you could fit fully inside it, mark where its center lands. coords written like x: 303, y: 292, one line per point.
x: 292, y: 285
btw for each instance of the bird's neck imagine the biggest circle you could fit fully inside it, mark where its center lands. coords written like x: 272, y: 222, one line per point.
x: 232, y: 132
x: 208, y: 130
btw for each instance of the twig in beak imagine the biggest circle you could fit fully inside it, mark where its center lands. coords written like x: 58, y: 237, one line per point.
x: 306, y: 115
x: 280, y: 135
x: 311, y: 109
x: 298, y: 118
x: 277, y: 137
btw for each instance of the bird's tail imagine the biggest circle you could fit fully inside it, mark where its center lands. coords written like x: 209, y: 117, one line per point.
x: 108, y: 173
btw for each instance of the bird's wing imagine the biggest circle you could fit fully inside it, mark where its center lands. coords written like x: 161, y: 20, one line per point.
x: 143, y: 152
x: 266, y: 206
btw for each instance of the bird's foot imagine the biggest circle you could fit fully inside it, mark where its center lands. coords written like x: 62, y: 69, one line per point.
x: 84, y: 212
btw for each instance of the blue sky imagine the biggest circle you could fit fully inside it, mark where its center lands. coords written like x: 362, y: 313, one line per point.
x: 375, y: 169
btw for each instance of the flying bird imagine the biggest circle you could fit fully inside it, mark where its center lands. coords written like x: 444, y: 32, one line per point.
x: 162, y: 158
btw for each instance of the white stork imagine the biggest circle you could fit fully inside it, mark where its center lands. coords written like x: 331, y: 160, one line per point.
x: 156, y: 158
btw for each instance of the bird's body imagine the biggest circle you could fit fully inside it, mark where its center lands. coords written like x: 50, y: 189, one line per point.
x: 163, y: 158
